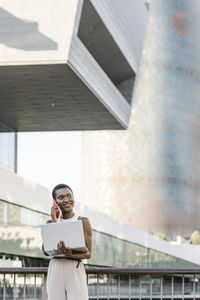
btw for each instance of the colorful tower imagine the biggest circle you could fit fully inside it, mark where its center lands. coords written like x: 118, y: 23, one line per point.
x: 148, y: 176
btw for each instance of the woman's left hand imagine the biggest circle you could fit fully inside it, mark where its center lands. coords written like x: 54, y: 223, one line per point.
x: 62, y: 249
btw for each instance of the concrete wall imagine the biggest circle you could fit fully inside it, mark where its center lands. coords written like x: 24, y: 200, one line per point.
x: 36, y: 31
x: 69, y: 60
x: 18, y: 190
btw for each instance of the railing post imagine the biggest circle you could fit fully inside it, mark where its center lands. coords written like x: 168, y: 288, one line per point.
x: 97, y: 286
x: 108, y: 286
x: 35, y: 286
x: 129, y: 287
x: 14, y: 288
x: 44, y: 289
x: 140, y: 287
x: 118, y: 286
x: 183, y: 288
x: 194, y: 287
x: 4, y: 286
x: 161, y: 287
x: 24, y: 286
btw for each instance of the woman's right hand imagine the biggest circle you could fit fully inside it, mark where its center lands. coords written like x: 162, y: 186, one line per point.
x: 54, y: 210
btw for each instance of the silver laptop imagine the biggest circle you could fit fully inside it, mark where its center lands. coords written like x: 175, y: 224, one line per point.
x: 70, y: 232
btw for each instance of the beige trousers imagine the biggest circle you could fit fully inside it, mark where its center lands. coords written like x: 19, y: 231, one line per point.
x: 65, y: 281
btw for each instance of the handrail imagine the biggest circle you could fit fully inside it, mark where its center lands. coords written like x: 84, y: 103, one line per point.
x: 134, y: 271
x: 97, y: 270
x: 26, y: 270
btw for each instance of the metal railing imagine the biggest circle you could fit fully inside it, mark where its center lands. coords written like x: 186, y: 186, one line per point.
x: 107, y: 283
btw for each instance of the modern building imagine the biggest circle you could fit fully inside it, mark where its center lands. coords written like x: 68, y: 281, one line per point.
x: 70, y: 66
x: 58, y: 79
x: 148, y: 176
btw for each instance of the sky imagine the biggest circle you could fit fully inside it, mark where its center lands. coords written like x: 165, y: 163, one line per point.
x: 50, y: 158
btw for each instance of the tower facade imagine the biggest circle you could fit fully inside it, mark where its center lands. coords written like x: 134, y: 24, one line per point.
x: 148, y: 176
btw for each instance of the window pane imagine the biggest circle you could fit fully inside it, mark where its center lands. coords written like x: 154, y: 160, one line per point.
x: 7, y: 148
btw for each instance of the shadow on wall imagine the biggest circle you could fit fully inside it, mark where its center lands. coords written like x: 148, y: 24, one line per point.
x: 23, y: 34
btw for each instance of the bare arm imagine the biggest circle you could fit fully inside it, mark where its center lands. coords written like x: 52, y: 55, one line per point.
x: 88, y: 240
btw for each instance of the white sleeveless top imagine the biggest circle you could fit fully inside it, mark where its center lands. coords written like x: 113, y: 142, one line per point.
x: 74, y: 218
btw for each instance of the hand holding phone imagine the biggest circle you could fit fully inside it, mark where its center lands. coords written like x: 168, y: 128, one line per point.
x: 55, y: 211
x: 58, y: 212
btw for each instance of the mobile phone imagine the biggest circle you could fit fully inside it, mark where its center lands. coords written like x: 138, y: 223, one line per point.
x: 58, y: 213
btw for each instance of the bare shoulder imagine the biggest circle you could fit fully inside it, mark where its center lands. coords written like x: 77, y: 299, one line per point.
x: 83, y: 218
x: 48, y: 221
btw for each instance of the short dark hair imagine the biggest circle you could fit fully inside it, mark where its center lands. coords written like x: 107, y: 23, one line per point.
x: 58, y: 187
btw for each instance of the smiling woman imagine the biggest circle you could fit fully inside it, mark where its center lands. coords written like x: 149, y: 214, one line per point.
x: 64, y: 198
x: 73, y: 283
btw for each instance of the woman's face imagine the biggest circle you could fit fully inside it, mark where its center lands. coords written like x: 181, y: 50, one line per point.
x: 65, y: 199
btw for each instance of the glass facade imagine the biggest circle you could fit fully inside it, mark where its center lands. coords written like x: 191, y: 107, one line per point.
x: 111, y: 251
x: 7, y: 148
x: 20, y: 238
x: 19, y: 230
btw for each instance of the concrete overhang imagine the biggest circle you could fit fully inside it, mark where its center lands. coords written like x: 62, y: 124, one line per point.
x: 70, y: 66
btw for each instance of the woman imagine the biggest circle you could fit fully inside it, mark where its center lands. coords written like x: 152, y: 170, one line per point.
x: 66, y: 279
